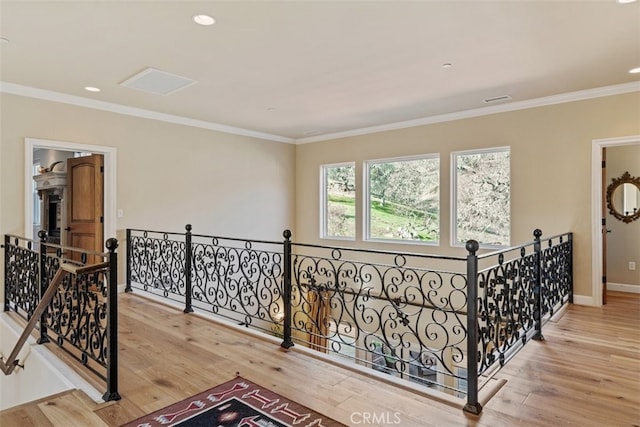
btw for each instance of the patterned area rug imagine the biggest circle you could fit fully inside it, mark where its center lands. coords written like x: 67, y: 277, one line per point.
x: 237, y: 403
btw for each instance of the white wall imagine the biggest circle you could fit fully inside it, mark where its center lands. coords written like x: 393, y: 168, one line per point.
x: 168, y: 175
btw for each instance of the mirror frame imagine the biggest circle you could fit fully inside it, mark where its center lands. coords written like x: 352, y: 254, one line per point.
x: 626, y: 178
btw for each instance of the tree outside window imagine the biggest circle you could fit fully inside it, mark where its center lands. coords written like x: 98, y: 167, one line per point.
x: 403, y: 199
x: 482, y: 197
x: 339, y: 201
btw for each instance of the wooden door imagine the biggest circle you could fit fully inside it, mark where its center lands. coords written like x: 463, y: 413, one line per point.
x: 85, y: 186
x: 603, y: 202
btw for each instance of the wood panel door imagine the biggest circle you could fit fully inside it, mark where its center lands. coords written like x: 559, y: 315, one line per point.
x: 85, y: 184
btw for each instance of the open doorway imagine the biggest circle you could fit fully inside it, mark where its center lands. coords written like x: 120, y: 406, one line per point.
x: 108, y: 156
x: 599, y: 228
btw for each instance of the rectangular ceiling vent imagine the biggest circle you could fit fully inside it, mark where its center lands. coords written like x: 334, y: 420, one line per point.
x: 497, y: 99
x: 158, y: 82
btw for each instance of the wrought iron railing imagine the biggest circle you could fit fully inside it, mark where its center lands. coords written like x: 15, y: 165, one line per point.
x: 237, y: 279
x: 511, y: 294
x: 438, y: 321
x: 82, y: 316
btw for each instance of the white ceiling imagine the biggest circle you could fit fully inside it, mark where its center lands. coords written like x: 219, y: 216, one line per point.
x: 301, y: 69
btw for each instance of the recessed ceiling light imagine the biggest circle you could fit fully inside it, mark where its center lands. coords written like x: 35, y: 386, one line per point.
x: 92, y: 89
x: 447, y: 65
x: 203, y: 20
x: 4, y: 40
x: 634, y: 70
x: 626, y: 1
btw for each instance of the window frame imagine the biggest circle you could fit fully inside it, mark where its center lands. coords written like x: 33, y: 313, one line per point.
x: 324, y: 205
x: 454, y: 195
x: 366, y: 196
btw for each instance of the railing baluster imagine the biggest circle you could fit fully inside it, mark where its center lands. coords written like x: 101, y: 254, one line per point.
x: 42, y: 281
x: 537, y: 290
x: 287, y: 342
x: 472, y: 406
x: 7, y: 242
x: 188, y: 270
x: 129, y: 259
x: 112, y: 323
x: 570, y: 268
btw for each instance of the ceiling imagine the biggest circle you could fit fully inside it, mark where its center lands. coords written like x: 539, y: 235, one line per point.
x: 303, y: 70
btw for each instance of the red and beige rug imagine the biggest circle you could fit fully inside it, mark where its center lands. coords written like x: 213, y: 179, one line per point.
x: 237, y: 403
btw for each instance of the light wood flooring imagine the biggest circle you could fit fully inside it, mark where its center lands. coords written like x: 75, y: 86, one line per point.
x: 585, y: 373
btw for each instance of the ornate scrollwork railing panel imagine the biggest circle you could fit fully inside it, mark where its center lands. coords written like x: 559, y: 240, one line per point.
x: 415, y: 316
x: 556, y: 265
x: 78, y: 313
x: 157, y: 263
x: 240, y: 280
x: 77, y: 317
x: 22, y: 287
x: 505, y: 306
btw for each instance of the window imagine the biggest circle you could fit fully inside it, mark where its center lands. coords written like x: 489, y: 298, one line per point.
x: 481, y: 197
x: 338, y: 193
x: 402, y: 199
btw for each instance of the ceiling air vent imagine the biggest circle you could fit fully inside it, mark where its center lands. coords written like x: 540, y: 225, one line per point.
x: 157, y: 82
x: 497, y: 99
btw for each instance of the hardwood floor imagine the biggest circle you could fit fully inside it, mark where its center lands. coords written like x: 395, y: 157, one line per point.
x: 585, y: 373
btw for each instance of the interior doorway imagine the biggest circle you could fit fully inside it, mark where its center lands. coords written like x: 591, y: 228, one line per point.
x: 108, y: 155
x: 599, y: 231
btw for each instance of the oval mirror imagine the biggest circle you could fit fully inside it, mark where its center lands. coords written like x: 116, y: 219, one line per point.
x: 623, y: 198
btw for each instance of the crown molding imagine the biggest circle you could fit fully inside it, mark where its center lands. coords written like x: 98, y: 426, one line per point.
x: 48, y: 95
x: 483, y: 111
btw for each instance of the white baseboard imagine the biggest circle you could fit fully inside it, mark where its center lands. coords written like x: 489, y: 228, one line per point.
x: 621, y: 287
x: 583, y: 300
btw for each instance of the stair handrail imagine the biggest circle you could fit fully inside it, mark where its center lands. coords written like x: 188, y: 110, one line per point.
x: 12, y: 361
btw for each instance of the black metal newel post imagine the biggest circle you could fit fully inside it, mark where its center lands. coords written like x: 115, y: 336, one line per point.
x: 42, y: 280
x: 537, y: 285
x: 187, y: 266
x: 112, y: 323
x: 7, y: 242
x: 287, y: 342
x: 570, y: 268
x: 472, y: 406
x: 128, y: 287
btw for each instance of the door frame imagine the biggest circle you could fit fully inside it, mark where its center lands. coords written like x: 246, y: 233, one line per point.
x: 109, y: 154
x: 596, y: 209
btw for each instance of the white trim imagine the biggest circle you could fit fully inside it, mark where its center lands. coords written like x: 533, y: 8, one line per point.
x: 596, y: 210
x: 622, y: 287
x: 63, y: 98
x: 48, y: 95
x: 483, y: 111
x: 584, y: 300
x: 110, y: 188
